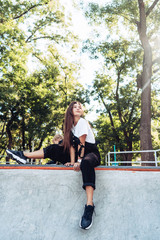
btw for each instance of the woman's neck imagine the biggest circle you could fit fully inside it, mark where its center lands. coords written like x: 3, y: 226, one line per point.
x: 76, y: 119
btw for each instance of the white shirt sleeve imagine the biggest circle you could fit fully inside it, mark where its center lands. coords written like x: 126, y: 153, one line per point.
x: 81, y: 128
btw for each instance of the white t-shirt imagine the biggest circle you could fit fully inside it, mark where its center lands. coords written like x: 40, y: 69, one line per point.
x: 82, y: 127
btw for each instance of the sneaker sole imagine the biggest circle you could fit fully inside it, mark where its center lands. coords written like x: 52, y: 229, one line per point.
x: 86, y: 227
x: 18, y: 159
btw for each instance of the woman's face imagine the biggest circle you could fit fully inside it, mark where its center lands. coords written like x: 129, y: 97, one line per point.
x: 77, y: 110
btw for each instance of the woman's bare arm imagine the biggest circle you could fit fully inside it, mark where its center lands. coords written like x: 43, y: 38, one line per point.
x: 72, y: 157
x: 82, y: 140
x: 76, y: 166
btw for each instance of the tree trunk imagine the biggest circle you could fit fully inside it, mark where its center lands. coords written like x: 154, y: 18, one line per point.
x: 129, y: 155
x: 30, y: 144
x: 145, y: 124
x: 40, y: 144
x: 9, y: 133
x: 23, y: 133
x: 10, y: 138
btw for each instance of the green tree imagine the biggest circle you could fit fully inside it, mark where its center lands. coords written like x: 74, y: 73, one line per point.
x: 118, y: 92
x: 33, y: 103
x: 140, y: 20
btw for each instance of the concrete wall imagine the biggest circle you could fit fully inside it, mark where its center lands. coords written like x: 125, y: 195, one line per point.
x: 48, y: 204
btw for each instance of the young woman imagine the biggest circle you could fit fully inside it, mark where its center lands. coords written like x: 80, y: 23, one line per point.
x: 78, y: 150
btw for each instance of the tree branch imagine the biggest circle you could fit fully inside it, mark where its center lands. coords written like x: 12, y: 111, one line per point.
x: 133, y: 107
x: 49, y: 37
x: 111, y: 119
x: 142, y: 25
x: 155, y: 71
x: 157, y: 60
x: 2, y: 133
x: 151, y: 7
x: 117, y: 98
x: 34, y: 6
x: 34, y: 31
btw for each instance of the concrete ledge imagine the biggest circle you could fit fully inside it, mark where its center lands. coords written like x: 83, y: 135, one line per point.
x: 62, y: 167
x: 39, y: 204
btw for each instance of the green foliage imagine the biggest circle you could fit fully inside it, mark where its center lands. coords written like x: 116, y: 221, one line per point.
x: 119, y: 120
x: 117, y: 89
x: 32, y: 103
x: 116, y: 85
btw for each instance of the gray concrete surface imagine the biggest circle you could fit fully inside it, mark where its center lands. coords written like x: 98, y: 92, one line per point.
x: 47, y: 205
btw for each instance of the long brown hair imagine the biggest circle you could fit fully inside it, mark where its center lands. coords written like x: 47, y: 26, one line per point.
x: 68, y: 124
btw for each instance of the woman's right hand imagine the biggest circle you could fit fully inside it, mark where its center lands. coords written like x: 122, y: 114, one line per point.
x: 76, y: 167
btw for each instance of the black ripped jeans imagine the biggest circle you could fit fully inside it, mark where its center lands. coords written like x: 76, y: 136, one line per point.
x: 90, y: 160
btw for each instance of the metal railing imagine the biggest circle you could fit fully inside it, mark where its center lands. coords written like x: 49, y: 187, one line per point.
x: 109, y: 162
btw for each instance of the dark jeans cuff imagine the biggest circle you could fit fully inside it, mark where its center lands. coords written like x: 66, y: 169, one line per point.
x: 89, y: 184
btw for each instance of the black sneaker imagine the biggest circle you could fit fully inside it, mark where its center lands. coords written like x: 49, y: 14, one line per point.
x: 17, y: 155
x: 86, y: 220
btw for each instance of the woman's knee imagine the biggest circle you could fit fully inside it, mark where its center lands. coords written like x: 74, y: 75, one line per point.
x: 90, y: 160
x: 85, y: 163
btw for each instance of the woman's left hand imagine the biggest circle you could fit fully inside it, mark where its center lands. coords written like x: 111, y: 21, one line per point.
x: 76, y: 167
x: 69, y: 164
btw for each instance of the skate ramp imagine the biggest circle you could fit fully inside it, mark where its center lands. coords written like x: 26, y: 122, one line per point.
x: 41, y: 204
